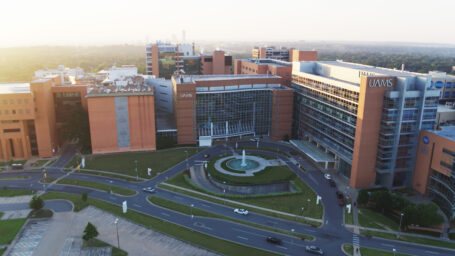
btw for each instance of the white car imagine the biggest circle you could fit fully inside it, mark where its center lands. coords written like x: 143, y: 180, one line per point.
x: 241, y: 211
x: 327, y: 176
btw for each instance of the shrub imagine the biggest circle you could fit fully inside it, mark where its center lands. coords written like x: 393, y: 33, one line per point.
x: 90, y: 232
x: 362, y: 198
x: 84, y: 196
x: 36, y: 203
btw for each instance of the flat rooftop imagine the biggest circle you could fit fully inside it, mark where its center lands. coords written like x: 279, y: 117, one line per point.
x: 193, y: 78
x: 270, y: 62
x: 367, y: 68
x: 11, y: 88
x: 446, y: 131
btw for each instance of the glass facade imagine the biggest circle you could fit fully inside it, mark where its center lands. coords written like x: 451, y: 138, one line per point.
x: 227, y: 114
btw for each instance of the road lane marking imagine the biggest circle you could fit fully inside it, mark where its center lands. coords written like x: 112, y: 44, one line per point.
x: 389, y: 245
x: 241, y: 237
x: 282, y: 247
x: 208, y: 206
x: 165, y: 214
x: 313, y: 179
x: 432, y: 252
x: 254, y: 234
x: 137, y: 205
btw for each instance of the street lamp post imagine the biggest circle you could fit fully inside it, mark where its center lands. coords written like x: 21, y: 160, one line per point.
x: 192, y: 205
x: 308, y: 206
x: 137, y: 175
x: 187, y: 164
x: 118, y: 239
x: 394, y: 251
x: 292, y: 239
x: 399, y: 227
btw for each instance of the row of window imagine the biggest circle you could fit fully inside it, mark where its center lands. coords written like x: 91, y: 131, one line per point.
x: 17, y: 101
x: 328, y: 88
x: 14, y: 111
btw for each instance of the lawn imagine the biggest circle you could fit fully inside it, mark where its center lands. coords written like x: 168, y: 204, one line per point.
x: 40, y: 162
x: 186, y: 209
x: 2, y: 251
x: 96, y: 185
x: 98, y: 243
x: 125, y: 162
x: 9, y: 192
x: 110, y: 175
x: 365, y: 251
x: 9, y: 229
x: 2, y: 163
x: 371, y: 219
x: 212, y: 243
x: 289, y: 203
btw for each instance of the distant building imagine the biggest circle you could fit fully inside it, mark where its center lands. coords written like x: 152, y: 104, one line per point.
x: 265, y: 66
x: 283, y: 54
x: 209, y: 108
x: 444, y: 82
x: 67, y: 74
x: 164, y: 60
x: 435, y: 170
x: 445, y: 115
x: 361, y: 120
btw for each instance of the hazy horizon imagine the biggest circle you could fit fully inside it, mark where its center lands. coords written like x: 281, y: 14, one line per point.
x: 85, y: 23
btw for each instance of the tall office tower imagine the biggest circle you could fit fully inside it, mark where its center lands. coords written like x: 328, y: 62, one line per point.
x: 361, y: 120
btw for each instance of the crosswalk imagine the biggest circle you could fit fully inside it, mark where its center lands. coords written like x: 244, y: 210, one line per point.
x: 355, y: 240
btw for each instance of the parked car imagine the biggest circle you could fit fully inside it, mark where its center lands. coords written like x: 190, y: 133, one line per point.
x: 328, y: 176
x: 17, y: 166
x: 255, y: 139
x: 241, y: 211
x: 332, y: 183
x: 206, y: 155
x: 149, y: 190
x: 314, y: 250
x: 341, y: 201
x: 274, y: 240
x: 339, y: 194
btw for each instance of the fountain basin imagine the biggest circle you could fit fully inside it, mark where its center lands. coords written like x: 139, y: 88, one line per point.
x: 236, y: 164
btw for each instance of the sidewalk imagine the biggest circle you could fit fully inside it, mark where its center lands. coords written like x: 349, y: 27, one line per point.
x: 243, y: 204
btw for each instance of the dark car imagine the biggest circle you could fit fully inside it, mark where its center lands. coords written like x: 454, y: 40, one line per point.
x: 314, y: 250
x: 149, y: 190
x: 273, y: 240
x: 332, y: 183
x: 339, y: 194
x: 341, y: 201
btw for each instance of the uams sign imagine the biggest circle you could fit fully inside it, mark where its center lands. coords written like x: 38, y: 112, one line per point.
x: 380, y: 82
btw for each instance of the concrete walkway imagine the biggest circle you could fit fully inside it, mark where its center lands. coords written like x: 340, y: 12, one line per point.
x: 243, y: 204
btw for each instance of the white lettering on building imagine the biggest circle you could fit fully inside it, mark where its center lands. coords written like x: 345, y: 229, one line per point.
x: 186, y: 95
x: 380, y: 83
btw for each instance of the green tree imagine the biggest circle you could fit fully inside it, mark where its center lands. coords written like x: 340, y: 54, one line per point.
x: 90, y: 232
x: 78, y: 127
x: 84, y: 196
x: 36, y: 203
x: 382, y: 200
x: 362, y: 198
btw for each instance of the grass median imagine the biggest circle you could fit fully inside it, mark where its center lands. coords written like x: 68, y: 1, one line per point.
x: 292, y: 204
x: 212, y: 243
x: 11, y: 192
x: 365, y: 251
x: 410, y: 239
x: 222, y: 201
x: 185, y: 209
x: 9, y: 229
x: 99, y: 186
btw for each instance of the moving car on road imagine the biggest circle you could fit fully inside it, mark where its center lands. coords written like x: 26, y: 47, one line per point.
x: 327, y: 176
x: 314, y: 250
x: 241, y: 211
x: 149, y: 190
x: 332, y: 183
x: 274, y: 240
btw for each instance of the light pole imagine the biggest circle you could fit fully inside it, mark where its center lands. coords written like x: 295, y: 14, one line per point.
x: 118, y: 239
x: 308, y: 206
x: 292, y: 239
x: 187, y: 165
x: 394, y: 251
x: 224, y: 192
x: 303, y: 208
x: 399, y: 227
x: 192, y: 205
x: 137, y: 175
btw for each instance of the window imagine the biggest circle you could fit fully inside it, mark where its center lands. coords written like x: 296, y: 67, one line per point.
x: 6, y: 112
x: 13, y: 111
x: 19, y: 101
x: 26, y: 101
x: 5, y: 102
x: 11, y: 101
x: 21, y: 111
x: 27, y: 111
x: 11, y: 130
x: 446, y: 94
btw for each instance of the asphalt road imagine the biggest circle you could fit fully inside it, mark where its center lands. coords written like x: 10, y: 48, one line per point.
x: 330, y: 236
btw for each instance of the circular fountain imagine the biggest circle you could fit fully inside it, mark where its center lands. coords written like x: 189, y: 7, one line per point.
x: 242, y: 164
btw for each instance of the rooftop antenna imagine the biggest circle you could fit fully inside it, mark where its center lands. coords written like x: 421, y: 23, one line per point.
x: 402, y: 67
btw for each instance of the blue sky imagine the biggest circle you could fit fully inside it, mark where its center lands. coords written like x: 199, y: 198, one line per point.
x: 111, y: 21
